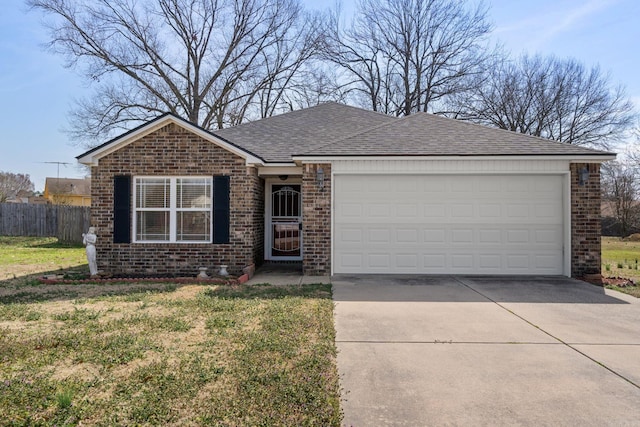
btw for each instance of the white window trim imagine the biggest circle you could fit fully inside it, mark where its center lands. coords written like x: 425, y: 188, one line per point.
x: 173, y: 209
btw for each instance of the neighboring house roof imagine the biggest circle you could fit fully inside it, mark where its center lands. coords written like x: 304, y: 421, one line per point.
x: 68, y: 186
x: 333, y: 129
x: 424, y: 134
x: 276, y: 138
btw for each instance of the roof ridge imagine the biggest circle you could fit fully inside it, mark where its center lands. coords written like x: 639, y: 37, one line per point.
x: 299, y: 111
x: 335, y: 141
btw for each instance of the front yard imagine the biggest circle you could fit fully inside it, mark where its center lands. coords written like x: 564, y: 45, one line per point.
x: 170, y: 354
x: 164, y: 354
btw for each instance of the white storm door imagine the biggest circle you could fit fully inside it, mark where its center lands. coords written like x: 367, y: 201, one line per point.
x: 284, y: 222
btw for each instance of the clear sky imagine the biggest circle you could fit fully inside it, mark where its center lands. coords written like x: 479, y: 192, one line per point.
x: 36, y: 91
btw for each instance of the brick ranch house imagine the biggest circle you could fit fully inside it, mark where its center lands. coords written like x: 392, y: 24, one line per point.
x: 345, y: 190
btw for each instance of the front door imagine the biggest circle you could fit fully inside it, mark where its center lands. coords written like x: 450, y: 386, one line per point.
x: 284, y: 223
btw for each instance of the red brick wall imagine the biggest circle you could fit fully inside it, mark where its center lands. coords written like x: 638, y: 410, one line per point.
x: 585, y: 221
x: 174, y: 151
x: 316, y: 221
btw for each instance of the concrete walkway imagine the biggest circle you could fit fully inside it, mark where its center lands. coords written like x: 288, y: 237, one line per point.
x: 284, y: 274
x: 420, y: 351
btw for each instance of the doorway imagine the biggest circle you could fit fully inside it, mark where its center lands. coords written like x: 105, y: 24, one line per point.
x: 283, y: 237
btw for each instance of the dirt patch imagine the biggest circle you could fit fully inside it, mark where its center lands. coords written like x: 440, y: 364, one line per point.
x: 82, y: 371
x: 184, y: 292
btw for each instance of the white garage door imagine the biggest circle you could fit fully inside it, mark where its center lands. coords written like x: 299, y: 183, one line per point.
x: 448, y: 224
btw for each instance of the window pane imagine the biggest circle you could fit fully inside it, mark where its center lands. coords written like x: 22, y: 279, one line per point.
x: 193, y: 226
x: 152, y: 225
x: 152, y: 193
x: 194, y: 193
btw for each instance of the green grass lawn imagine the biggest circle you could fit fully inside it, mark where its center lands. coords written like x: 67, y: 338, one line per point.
x: 21, y: 256
x: 159, y: 353
x: 621, y: 259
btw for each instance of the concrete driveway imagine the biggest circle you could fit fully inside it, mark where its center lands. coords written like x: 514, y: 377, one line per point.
x: 447, y: 350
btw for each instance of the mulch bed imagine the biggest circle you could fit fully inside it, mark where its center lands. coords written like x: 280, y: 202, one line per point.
x: 620, y: 282
x: 597, y: 279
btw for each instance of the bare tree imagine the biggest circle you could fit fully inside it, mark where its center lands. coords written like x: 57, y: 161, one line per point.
x: 316, y: 84
x: 404, y: 56
x: 13, y: 183
x: 620, y: 187
x: 559, y: 99
x: 204, y: 60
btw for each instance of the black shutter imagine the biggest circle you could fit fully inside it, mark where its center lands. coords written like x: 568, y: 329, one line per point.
x: 221, y: 186
x: 122, y: 209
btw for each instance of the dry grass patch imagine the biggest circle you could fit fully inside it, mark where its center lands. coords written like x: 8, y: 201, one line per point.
x: 177, y: 355
x: 158, y: 353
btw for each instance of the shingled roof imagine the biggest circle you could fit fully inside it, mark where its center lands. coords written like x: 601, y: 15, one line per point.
x: 424, y: 134
x: 276, y: 138
x: 334, y: 129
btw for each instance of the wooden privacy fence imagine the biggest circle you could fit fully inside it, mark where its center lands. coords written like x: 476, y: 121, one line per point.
x: 67, y: 223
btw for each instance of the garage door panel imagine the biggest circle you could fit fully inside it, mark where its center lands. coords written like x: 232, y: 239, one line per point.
x: 462, y: 210
x: 351, y: 210
x: 461, y: 236
x: 352, y: 235
x: 434, y: 211
x: 546, y: 236
x: 379, y: 235
x: 518, y: 211
x: 407, y: 211
x: 490, y: 261
x: 462, y: 261
x: 407, y: 235
x: 547, y: 211
x: 545, y: 184
x: 518, y: 262
x: 351, y: 261
x: 517, y: 185
x: 489, y: 224
x: 490, y: 237
x: 434, y: 236
x: 517, y: 236
x: 378, y: 261
x: 489, y: 211
x: 376, y: 210
x: 435, y: 262
x: 407, y: 261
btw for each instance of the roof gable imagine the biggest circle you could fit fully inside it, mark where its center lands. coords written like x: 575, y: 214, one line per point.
x: 92, y: 156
